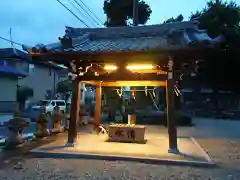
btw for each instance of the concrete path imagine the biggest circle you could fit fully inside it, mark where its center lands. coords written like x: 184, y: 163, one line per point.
x: 211, y: 128
x: 207, y: 128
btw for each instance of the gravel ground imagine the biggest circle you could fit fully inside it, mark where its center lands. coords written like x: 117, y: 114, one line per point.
x: 225, y: 153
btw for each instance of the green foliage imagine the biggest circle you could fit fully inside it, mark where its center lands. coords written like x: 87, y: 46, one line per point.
x: 118, y: 12
x: 218, y: 17
x: 23, y: 93
x: 221, y: 67
x: 64, y: 86
x: 179, y: 18
x: 183, y: 119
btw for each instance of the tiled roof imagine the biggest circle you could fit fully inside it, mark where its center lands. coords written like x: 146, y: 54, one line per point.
x: 169, y: 36
x: 131, y: 31
x: 124, y: 44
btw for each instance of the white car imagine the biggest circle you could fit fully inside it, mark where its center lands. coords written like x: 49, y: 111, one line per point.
x: 50, y: 105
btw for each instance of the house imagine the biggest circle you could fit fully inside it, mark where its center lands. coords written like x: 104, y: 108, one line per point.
x: 8, y: 82
x: 42, y: 77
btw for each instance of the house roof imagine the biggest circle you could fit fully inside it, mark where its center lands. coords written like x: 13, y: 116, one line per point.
x: 169, y: 36
x: 12, y: 71
x: 12, y: 53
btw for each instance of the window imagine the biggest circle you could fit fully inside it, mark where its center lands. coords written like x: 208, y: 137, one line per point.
x: 50, y: 72
x: 60, y: 103
x: 31, y: 68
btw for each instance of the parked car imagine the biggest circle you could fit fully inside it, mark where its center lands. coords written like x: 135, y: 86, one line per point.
x: 50, y: 105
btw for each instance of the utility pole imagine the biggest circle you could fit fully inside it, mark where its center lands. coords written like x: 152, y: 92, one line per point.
x: 10, y: 34
x: 11, y: 40
x: 135, y: 12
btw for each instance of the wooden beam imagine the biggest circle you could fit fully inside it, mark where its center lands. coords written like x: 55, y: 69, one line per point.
x: 147, y: 71
x: 157, y: 56
x: 124, y: 75
x: 74, y: 113
x: 97, y: 115
x: 126, y: 83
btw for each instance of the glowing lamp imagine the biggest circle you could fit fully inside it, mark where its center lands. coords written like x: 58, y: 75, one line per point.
x: 140, y: 67
x: 110, y: 67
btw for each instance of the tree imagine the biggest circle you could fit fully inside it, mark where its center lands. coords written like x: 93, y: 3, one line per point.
x: 218, y: 16
x: 64, y: 86
x: 221, y: 18
x: 220, y: 68
x: 179, y: 18
x: 119, y: 12
x: 23, y: 93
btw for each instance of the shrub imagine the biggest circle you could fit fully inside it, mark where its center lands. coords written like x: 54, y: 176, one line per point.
x: 183, y: 119
x: 159, y: 118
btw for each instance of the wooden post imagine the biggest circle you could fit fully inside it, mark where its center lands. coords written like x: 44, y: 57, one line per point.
x: 97, y: 115
x: 172, y: 130
x: 74, y: 114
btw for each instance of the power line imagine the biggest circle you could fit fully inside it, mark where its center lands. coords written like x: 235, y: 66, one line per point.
x: 91, y: 12
x: 10, y: 34
x: 99, y: 24
x: 81, y: 11
x: 14, y: 42
x: 72, y: 13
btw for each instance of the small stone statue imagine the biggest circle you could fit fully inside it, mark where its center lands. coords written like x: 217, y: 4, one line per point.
x: 57, y: 118
x: 15, y: 127
x: 41, y: 126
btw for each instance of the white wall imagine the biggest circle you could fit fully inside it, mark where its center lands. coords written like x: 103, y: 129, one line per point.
x: 8, y: 88
x: 40, y: 80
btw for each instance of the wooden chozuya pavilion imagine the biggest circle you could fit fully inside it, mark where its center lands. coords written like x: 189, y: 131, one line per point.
x: 126, y: 56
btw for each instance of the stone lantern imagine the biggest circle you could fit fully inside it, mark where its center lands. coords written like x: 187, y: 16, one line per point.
x: 41, y: 124
x: 15, y: 127
x: 57, y: 118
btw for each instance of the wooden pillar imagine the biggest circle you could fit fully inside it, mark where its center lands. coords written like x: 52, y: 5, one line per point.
x: 74, y: 113
x: 97, y: 115
x: 172, y: 130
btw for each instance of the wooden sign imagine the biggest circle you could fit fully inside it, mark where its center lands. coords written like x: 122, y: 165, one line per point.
x: 126, y: 133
